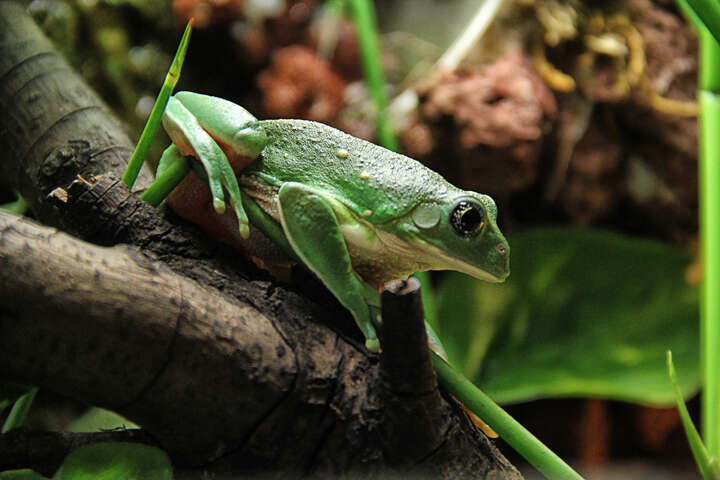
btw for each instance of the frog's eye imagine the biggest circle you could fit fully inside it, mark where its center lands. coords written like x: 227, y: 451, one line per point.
x: 467, y: 218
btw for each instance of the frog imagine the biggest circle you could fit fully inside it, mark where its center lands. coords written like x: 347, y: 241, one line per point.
x: 355, y: 214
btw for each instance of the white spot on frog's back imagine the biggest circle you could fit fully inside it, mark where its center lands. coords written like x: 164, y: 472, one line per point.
x: 341, y: 153
x: 364, y: 175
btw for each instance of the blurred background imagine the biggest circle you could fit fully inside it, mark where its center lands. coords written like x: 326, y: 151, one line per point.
x: 578, y: 117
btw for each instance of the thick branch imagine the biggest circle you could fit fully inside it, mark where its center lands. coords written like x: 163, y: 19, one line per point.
x: 414, y: 422
x: 111, y: 327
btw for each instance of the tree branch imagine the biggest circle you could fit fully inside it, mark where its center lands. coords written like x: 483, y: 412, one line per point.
x: 414, y: 419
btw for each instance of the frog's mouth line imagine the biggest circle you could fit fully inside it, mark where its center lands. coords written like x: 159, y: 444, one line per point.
x: 448, y: 262
x: 463, y: 267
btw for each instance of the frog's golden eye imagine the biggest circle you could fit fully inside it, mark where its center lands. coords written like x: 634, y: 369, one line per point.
x: 467, y: 218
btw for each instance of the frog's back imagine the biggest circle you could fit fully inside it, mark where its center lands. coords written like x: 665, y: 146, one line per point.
x: 376, y: 183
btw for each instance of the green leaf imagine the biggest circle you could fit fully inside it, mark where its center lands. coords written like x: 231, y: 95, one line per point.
x: 19, y: 411
x: 115, y: 461
x: 23, y: 474
x: 583, y: 314
x: 9, y: 393
x: 97, y: 419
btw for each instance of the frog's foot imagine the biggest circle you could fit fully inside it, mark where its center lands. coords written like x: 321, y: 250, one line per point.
x: 313, y: 231
x: 372, y: 344
x: 191, y: 139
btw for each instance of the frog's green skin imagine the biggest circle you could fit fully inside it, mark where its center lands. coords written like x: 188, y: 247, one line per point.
x: 353, y: 212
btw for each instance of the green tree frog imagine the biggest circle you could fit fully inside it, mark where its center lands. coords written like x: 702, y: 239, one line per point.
x: 354, y: 213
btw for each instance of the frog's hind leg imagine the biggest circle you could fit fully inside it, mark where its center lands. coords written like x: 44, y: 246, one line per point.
x: 314, y: 234
x: 191, y: 139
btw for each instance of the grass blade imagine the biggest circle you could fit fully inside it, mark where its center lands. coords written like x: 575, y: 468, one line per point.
x: 706, y: 12
x: 524, y: 442
x: 153, y: 123
x: 364, y: 16
x: 19, y: 411
x: 706, y: 465
x: 710, y: 254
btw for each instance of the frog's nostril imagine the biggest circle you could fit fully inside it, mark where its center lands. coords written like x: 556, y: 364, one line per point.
x: 502, y: 250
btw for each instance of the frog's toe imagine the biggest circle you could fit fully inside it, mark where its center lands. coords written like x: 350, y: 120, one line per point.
x: 373, y: 344
x: 219, y: 205
x: 244, y: 229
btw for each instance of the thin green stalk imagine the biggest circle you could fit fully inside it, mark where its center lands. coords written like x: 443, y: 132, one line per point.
x: 709, y: 78
x: 524, y: 442
x: 706, y: 465
x: 710, y: 253
x: 510, y: 430
x: 153, y: 123
x: 709, y: 13
x: 363, y: 14
x: 705, y: 16
x: 19, y: 411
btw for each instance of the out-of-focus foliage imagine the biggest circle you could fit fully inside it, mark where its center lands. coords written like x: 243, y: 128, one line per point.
x: 115, y: 461
x: 117, y: 45
x: 97, y: 419
x: 583, y: 314
x: 23, y: 474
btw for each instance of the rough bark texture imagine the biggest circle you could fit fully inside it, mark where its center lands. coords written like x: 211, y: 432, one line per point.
x: 226, y: 369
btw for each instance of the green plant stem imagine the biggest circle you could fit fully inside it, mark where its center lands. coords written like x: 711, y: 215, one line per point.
x: 153, y: 123
x: 363, y: 14
x: 19, y: 411
x: 705, y: 16
x: 708, y: 13
x: 709, y: 78
x: 710, y: 254
x: 524, y: 442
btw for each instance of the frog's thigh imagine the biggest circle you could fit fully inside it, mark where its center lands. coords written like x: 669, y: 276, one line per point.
x: 184, y: 129
x: 313, y: 232
x: 169, y: 156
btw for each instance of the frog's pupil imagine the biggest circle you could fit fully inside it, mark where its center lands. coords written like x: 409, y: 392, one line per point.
x: 466, y: 218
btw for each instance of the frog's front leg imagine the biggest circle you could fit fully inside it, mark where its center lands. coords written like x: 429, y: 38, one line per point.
x: 198, y: 125
x: 313, y: 231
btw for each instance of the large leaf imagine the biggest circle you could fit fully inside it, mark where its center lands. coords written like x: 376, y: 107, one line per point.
x: 583, y: 314
x: 97, y: 419
x: 115, y: 461
x: 23, y: 474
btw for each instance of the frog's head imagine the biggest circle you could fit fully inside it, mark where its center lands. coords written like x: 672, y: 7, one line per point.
x: 461, y: 234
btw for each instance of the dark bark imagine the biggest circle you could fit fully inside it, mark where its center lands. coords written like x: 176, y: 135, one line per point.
x: 222, y: 366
